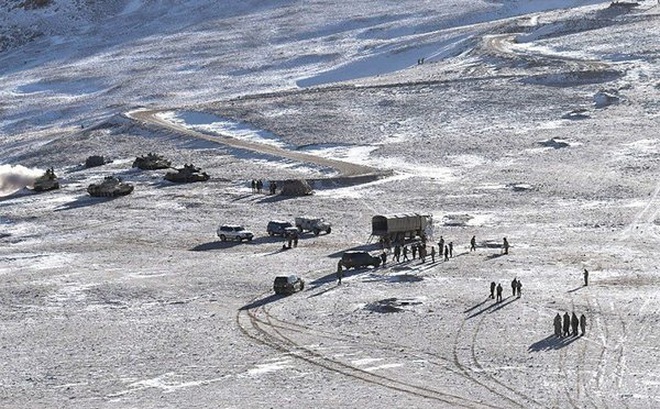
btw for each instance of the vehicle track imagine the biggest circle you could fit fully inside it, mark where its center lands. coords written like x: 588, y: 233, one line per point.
x: 264, y: 332
x: 526, y: 399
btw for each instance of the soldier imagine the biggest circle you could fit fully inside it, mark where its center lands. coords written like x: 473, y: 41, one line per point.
x: 586, y: 277
x: 340, y: 272
x: 499, y: 292
x: 405, y: 253
x: 414, y: 251
x: 432, y: 254
x: 441, y: 246
x: 422, y: 253
x: 383, y: 257
x: 254, y: 186
x: 492, y: 289
x: 295, y: 240
x: 451, y: 249
x: 567, y: 325
x: 575, y: 322
x: 519, y: 288
x: 505, y: 246
x: 583, y: 323
x: 514, y: 286
x: 473, y: 243
x: 397, y: 253
x: 557, y: 323
x: 446, y: 253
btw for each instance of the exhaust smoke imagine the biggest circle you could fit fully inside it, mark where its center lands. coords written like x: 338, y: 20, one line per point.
x: 15, y: 177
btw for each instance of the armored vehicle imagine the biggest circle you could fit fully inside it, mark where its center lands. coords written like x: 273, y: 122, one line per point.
x: 47, y: 181
x: 110, y: 187
x: 95, y: 160
x: 187, y: 174
x: 151, y: 161
x: 313, y: 224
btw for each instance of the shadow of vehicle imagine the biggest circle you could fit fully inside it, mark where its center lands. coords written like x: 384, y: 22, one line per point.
x: 362, y: 247
x: 84, y: 201
x: 258, y: 303
x: 551, y: 342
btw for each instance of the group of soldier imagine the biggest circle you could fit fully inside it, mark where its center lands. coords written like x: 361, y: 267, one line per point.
x: 496, y: 290
x: 258, y: 185
x: 568, y: 326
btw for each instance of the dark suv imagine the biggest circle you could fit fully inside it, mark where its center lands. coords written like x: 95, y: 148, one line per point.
x: 288, y: 285
x: 357, y: 259
x: 277, y: 227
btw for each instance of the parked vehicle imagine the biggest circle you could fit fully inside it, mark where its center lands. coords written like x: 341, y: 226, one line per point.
x: 287, y: 285
x: 398, y: 227
x: 313, y: 224
x: 357, y: 259
x: 234, y: 232
x: 277, y: 227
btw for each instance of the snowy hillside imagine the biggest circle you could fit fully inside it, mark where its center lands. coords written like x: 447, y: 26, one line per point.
x: 531, y: 120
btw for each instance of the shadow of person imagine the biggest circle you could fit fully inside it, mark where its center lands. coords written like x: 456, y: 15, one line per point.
x: 551, y: 342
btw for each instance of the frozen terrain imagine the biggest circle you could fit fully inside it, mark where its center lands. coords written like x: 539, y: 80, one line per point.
x: 532, y: 120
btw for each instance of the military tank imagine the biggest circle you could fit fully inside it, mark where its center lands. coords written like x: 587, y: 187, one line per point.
x: 151, y: 161
x: 47, y: 181
x: 96, y: 160
x: 111, y: 186
x: 187, y: 174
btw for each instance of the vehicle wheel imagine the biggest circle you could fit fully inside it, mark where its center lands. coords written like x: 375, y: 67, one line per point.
x: 316, y: 232
x: 329, y: 230
x: 271, y: 234
x: 299, y: 228
x: 249, y: 239
x: 223, y: 238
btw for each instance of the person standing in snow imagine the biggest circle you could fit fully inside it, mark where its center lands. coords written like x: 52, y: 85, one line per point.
x: 575, y: 322
x: 446, y: 253
x: 583, y: 323
x: 405, y: 253
x: 451, y: 249
x: 505, y: 246
x: 492, y: 289
x: 473, y: 243
x: 441, y: 246
x: 414, y: 251
x: 586, y: 277
x: 432, y: 254
x: 397, y: 253
x: 383, y: 257
x: 340, y: 272
x: 518, y: 288
x: 567, y: 325
x: 499, y: 292
x: 557, y: 324
x: 514, y: 286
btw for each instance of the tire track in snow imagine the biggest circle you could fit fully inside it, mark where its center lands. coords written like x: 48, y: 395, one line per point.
x: 263, y: 331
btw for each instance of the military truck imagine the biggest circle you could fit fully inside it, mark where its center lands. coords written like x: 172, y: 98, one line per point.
x: 314, y: 224
x: 395, y: 228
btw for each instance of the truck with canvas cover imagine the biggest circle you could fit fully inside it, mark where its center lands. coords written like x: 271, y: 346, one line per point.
x: 398, y: 227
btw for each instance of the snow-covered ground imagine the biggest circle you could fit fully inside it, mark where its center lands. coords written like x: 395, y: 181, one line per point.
x: 532, y: 120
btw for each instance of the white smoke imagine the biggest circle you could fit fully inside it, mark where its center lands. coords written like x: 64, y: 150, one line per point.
x: 15, y: 177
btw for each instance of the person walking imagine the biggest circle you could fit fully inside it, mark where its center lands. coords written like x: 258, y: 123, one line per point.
x: 473, y: 243
x: 505, y: 246
x: 586, y: 277
x: 414, y: 251
x: 446, y: 253
x: 499, y: 292
x: 340, y: 272
x: 492, y: 289
x: 567, y: 325
x: 583, y: 323
x: 405, y: 253
x: 557, y: 324
x: 575, y: 322
x: 397, y: 253
x: 514, y: 286
x: 432, y: 254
